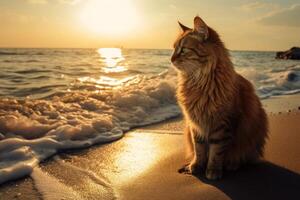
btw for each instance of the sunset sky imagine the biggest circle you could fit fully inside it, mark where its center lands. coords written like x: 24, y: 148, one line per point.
x: 243, y: 25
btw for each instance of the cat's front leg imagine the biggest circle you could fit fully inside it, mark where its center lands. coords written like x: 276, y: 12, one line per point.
x: 218, y: 143
x: 198, y: 155
x: 199, y: 158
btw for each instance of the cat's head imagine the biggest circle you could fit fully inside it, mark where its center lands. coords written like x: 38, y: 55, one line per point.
x: 194, y: 50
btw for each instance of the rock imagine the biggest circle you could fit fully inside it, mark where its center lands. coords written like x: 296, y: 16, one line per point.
x: 293, y: 53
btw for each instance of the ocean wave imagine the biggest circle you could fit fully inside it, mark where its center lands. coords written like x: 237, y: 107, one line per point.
x: 31, y: 61
x: 39, y: 77
x: 122, y: 73
x: 11, y: 77
x: 8, y: 61
x: 21, y: 61
x: 8, y: 53
x: 36, y: 91
x: 31, y: 71
x: 21, y: 53
x: 33, y: 130
x: 281, y: 83
x: 17, y: 80
x: 8, y: 87
x: 274, y: 82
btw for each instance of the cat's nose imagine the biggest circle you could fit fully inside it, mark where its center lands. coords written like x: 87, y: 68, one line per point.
x: 174, y: 57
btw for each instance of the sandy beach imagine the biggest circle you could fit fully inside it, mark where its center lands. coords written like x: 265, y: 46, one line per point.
x: 144, y: 165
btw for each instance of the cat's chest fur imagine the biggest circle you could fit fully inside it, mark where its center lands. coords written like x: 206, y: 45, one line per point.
x: 207, y: 100
x: 199, y: 110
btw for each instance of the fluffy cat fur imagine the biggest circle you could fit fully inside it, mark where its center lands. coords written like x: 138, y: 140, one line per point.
x: 226, y: 125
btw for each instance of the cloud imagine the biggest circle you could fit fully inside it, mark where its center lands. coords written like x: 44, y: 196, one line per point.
x: 254, y: 6
x: 172, y: 7
x: 37, y: 1
x: 72, y: 2
x: 284, y: 17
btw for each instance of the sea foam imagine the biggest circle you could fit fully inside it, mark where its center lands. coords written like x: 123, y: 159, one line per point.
x: 33, y: 130
x: 281, y: 82
x: 274, y: 82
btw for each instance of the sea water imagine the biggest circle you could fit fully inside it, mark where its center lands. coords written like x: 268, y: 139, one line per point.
x: 57, y: 99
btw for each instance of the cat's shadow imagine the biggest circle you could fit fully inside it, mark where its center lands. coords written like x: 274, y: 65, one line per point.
x: 261, y: 181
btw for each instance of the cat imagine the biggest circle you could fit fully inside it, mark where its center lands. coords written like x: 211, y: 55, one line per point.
x: 226, y: 125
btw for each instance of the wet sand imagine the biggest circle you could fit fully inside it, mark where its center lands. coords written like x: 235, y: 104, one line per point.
x: 143, y: 165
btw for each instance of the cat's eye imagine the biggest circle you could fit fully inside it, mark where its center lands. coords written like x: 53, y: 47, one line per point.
x: 185, y: 50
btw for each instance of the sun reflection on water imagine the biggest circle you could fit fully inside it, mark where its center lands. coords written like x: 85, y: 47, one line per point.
x: 106, y: 81
x: 112, y: 66
x: 112, y: 57
x: 110, y: 52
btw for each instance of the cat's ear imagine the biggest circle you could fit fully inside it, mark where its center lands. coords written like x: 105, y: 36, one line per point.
x: 183, y: 27
x: 200, y: 27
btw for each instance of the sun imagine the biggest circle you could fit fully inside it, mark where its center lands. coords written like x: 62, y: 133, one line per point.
x: 111, y: 17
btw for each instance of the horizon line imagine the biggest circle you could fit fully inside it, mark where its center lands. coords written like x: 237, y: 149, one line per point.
x: 126, y: 48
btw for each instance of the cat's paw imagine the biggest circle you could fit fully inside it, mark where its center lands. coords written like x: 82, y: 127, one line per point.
x: 184, y: 169
x: 192, y: 168
x: 213, y: 174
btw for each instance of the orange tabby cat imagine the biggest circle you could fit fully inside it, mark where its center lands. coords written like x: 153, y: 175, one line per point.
x: 225, y: 122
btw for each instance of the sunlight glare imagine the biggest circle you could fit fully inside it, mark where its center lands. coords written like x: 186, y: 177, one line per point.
x: 110, y: 52
x: 111, y: 62
x: 105, y: 81
x: 112, y: 57
x: 143, y: 159
x: 111, y: 17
